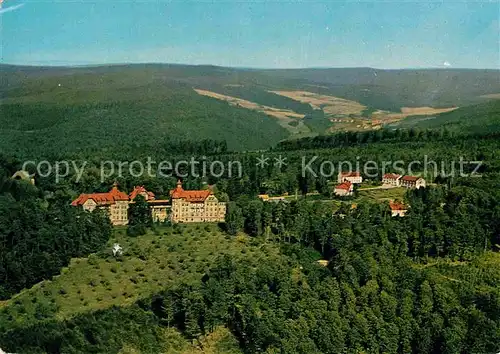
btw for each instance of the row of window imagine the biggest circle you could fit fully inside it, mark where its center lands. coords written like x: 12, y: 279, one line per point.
x: 200, y: 220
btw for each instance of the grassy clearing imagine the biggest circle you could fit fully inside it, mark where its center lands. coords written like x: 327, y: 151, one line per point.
x: 234, y: 101
x: 382, y: 195
x: 367, y: 195
x: 287, y: 118
x: 149, y: 263
x: 480, y: 118
x: 331, y: 105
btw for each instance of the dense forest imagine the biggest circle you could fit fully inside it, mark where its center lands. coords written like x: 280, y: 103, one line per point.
x: 387, y: 287
x: 425, y: 283
x: 40, y: 233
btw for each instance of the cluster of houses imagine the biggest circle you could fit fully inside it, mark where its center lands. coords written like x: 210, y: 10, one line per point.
x: 183, y: 206
x: 347, y: 180
x: 203, y: 206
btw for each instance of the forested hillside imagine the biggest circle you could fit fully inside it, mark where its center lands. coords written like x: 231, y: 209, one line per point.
x: 40, y: 234
x: 58, y: 109
x: 393, y: 89
x: 481, y: 118
x: 425, y: 283
x: 420, y: 284
x: 93, y: 111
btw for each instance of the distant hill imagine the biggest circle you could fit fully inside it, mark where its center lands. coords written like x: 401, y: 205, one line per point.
x: 393, y: 89
x: 479, y: 118
x: 100, y: 108
x: 382, y: 89
x: 74, y: 108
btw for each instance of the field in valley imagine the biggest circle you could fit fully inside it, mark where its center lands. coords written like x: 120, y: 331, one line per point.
x: 339, y: 114
x: 234, y: 101
x: 286, y: 118
x: 329, y: 104
x: 422, y: 112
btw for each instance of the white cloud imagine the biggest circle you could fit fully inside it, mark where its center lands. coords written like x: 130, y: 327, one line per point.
x: 12, y: 8
x: 447, y: 64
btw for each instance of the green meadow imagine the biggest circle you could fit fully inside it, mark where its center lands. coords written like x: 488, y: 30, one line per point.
x: 149, y: 263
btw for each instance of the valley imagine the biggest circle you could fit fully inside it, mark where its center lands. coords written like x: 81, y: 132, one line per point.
x: 288, y: 119
x: 338, y: 114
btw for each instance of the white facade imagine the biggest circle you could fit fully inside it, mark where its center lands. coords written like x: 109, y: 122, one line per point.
x: 209, y: 210
x: 392, y: 179
x: 344, y: 189
x: 412, y: 182
x: 353, y: 177
x: 398, y: 212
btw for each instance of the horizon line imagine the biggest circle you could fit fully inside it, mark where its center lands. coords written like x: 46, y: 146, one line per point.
x: 96, y: 65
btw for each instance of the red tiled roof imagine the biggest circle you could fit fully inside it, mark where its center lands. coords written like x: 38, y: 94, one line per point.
x: 139, y: 190
x: 397, y: 206
x: 101, y: 198
x: 346, y: 185
x: 350, y: 174
x: 190, y: 196
x: 391, y: 176
x: 410, y: 178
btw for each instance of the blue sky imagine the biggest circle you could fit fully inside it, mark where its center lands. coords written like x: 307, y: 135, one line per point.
x: 390, y: 34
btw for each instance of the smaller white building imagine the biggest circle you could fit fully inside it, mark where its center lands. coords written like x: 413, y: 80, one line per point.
x: 412, y: 182
x: 392, y: 179
x: 344, y: 189
x: 397, y: 208
x: 353, y: 177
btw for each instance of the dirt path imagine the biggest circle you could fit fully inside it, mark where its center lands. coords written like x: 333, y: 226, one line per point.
x: 384, y: 186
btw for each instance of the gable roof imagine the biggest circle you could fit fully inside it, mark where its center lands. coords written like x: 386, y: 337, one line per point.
x: 101, y: 198
x: 411, y: 178
x: 350, y: 174
x: 190, y: 196
x: 345, y: 185
x: 139, y: 190
x: 392, y: 176
x: 397, y: 206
